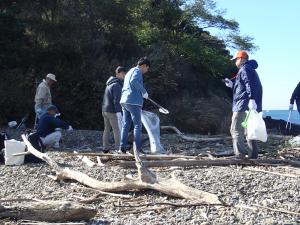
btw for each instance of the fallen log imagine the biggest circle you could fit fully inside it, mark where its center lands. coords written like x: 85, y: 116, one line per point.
x: 107, y: 157
x: 194, y: 139
x: 214, y: 162
x: 50, y: 211
x: 271, y: 172
x: 39, y: 223
x: 146, y: 180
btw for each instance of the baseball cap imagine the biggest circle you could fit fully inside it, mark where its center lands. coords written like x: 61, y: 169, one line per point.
x: 52, y: 107
x: 51, y: 76
x: 240, y: 54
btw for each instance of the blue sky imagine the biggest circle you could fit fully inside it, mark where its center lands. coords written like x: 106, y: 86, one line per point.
x: 274, y: 25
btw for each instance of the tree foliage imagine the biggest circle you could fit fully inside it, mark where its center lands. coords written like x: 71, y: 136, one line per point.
x: 82, y: 42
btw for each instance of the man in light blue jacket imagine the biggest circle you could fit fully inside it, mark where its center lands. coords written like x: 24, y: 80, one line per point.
x: 133, y: 94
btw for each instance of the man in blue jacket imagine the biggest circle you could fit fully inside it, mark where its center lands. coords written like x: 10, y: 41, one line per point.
x: 47, y: 127
x: 133, y: 93
x: 247, y: 94
x: 111, y: 108
x: 295, y: 97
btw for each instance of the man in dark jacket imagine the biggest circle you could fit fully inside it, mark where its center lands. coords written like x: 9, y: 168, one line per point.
x: 111, y: 108
x: 247, y: 94
x: 295, y: 97
x: 47, y: 127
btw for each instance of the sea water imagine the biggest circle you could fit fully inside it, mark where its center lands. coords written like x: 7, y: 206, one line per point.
x: 283, y: 115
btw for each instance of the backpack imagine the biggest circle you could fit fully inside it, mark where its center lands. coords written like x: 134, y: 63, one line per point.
x: 3, y: 137
x: 37, y: 143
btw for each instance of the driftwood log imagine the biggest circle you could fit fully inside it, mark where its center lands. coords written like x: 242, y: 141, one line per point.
x: 107, y: 157
x: 50, y: 211
x: 214, y: 162
x: 39, y: 223
x: 193, y: 139
x: 145, y: 180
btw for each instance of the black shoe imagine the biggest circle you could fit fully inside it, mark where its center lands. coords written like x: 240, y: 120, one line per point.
x: 105, y: 151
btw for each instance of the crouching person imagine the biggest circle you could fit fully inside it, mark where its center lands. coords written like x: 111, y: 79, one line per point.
x: 47, y: 127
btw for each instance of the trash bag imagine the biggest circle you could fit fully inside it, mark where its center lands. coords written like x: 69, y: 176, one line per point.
x: 256, y: 127
x: 152, y: 125
x: 295, y: 141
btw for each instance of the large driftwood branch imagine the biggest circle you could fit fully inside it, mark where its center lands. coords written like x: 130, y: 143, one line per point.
x: 147, y: 180
x: 50, y: 211
x: 215, y: 162
x: 194, y: 139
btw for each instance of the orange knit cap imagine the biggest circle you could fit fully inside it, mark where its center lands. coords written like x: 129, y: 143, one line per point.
x: 240, y: 54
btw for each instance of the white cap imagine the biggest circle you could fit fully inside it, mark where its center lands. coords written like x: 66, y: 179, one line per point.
x: 51, y: 76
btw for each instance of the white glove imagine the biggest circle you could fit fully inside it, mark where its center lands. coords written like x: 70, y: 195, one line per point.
x: 291, y: 107
x: 70, y: 128
x: 228, y: 83
x: 57, y: 114
x: 145, y: 95
x: 252, y: 104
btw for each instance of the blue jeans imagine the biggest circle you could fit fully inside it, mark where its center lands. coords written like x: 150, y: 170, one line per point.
x: 131, y: 113
x: 298, y: 105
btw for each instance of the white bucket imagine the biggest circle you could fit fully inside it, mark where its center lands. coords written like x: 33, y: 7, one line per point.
x: 13, y: 147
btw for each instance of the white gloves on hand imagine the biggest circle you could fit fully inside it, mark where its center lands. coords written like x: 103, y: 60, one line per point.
x: 70, y: 128
x: 252, y: 104
x: 145, y: 95
x: 57, y: 114
x: 228, y: 83
x: 291, y: 107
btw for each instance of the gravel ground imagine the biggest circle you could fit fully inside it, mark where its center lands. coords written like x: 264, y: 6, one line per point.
x: 233, y: 184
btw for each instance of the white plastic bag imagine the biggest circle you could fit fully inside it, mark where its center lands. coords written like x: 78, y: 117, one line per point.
x: 256, y: 127
x: 295, y: 141
x: 152, y: 125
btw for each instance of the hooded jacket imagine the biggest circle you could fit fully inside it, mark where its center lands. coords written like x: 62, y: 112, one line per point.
x: 296, y: 94
x: 48, y: 123
x: 247, y: 86
x: 112, y: 96
x: 133, y: 89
